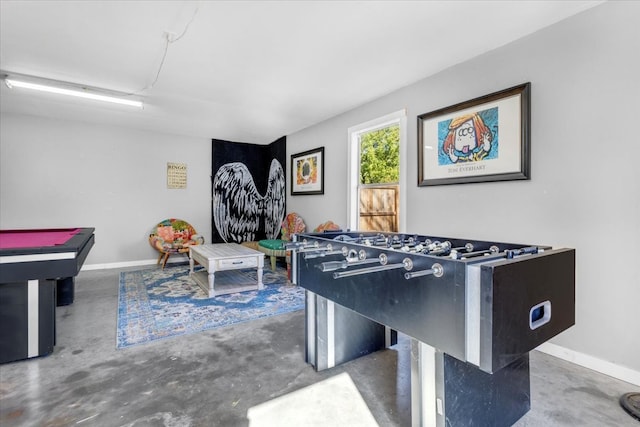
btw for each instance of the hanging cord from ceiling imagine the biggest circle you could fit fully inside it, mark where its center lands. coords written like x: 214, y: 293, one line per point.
x: 169, y: 39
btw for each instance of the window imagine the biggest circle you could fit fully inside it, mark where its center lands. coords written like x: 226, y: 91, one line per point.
x: 378, y: 187
x: 376, y: 157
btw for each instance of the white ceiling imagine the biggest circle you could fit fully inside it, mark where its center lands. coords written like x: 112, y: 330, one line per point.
x: 247, y: 71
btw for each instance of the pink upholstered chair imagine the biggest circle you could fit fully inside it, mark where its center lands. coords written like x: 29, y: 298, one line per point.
x: 173, y: 236
x: 292, y: 224
x: 327, y: 226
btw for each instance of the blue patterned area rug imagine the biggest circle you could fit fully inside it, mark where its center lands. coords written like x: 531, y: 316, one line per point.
x: 155, y: 304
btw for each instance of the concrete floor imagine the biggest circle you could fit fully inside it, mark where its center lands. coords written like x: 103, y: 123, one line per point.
x: 214, y: 378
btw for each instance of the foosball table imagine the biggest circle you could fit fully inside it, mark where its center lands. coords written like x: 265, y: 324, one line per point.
x: 473, y: 310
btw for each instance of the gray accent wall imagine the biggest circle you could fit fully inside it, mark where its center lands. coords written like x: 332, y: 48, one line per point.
x: 584, y: 191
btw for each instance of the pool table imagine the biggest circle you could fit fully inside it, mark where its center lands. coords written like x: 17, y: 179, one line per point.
x: 37, y: 270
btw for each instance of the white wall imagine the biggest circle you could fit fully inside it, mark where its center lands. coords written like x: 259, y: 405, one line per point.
x: 585, y: 187
x: 69, y: 174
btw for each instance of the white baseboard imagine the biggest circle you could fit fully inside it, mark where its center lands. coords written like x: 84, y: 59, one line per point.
x: 607, y: 368
x: 172, y: 260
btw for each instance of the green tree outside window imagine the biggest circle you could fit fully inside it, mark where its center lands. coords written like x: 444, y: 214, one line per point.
x: 379, y: 156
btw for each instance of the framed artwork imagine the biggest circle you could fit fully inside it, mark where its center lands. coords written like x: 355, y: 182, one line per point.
x: 484, y: 139
x: 307, y: 172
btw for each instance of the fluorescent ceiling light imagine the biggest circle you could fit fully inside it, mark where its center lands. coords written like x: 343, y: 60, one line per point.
x: 69, y: 89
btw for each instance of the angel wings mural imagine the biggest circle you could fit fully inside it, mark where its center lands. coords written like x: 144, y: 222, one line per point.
x: 239, y: 209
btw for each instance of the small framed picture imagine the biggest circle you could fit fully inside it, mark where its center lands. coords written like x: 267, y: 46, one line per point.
x: 484, y: 139
x: 307, y: 172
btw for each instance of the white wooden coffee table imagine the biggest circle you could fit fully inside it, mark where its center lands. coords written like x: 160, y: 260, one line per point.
x: 224, y: 256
